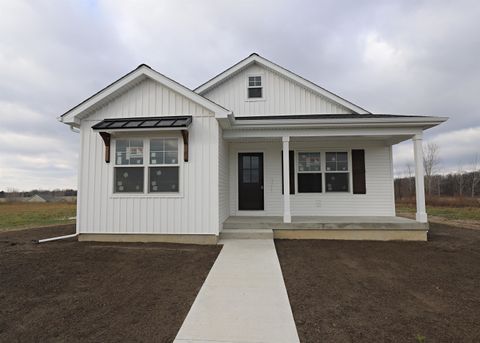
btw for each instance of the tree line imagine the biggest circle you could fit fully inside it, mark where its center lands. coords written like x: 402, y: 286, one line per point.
x: 456, y: 184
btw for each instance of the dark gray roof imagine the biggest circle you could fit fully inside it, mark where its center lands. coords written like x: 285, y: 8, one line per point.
x: 327, y: 116
x: 144, y: 123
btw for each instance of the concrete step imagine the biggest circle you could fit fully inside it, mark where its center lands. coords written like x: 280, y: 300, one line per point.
x: 246, y: 234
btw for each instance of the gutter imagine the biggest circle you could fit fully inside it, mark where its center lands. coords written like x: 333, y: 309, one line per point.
x: 427, y: 122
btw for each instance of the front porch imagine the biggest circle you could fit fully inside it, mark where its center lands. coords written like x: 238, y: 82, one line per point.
x: 331, y: 227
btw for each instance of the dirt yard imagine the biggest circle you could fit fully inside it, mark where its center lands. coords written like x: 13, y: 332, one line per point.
x: 386, y: 291
x: 67, y: 291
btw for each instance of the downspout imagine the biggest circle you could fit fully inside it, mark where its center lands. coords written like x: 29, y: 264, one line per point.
x: 55, y: 238
x: 76, y: 130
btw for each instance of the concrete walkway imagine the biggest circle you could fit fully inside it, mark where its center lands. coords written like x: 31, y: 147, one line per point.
x: 243, y: 299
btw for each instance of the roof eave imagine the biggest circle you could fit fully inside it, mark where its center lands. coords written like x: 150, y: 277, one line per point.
x: 255, y: 58
x: 74, y: 115
x: 420, y: 122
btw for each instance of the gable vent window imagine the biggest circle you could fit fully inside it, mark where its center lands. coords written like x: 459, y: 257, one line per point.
x: 255, y: 90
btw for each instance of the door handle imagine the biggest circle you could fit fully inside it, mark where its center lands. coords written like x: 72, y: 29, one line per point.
x: 261, y: 187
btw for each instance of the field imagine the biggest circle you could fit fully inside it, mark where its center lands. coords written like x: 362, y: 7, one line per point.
x: 453, y: 213
x: 18, y: 215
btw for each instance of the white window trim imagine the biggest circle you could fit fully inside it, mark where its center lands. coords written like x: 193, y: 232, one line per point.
x: 323, y: 170
x: 247, y: 86
x: 349, y: 171
x: 146, y: 165
x: 296, y: 155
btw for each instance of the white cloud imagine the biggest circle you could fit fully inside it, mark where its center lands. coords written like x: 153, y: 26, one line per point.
x: 457, y: 151
x: 392, y: 57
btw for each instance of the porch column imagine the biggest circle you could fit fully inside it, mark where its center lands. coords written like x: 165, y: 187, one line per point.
x: 287, y: 218
x: 419, y: 175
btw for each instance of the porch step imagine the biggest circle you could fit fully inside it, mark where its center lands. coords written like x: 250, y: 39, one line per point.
x: 246, y: 234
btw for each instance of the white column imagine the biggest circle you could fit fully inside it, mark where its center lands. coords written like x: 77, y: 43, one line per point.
x: 287, y: 218
x: 419, y: 182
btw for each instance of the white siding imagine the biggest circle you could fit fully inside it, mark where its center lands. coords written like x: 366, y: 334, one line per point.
x: 281, y: 96
x: 192, y: 212
x: 223, y: 181
x: 378, y: 201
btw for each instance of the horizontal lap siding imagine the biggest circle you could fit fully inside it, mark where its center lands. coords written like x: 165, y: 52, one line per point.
x: 223, y: 172
x: 378, y: 201
x: 282, y: 96
x: 99, y: 212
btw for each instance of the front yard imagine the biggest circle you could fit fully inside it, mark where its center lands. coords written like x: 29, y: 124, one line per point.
x: 347, y: 291
x: 67, y: 291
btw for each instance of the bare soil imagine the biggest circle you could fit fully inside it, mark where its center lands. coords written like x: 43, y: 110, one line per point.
x: 359, y: 291
x: 69, y: 291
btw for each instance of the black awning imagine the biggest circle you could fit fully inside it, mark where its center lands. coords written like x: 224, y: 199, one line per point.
x: 144, y: 123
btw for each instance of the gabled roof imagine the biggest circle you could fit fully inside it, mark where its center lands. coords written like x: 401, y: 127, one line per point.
x: 142, y: 72
x: 255, y: 58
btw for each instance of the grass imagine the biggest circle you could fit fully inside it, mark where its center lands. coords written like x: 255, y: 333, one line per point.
x: 27, y: 215
x: 455, y: 213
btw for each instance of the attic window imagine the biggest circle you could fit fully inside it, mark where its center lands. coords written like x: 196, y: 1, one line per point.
x: 254, y: 88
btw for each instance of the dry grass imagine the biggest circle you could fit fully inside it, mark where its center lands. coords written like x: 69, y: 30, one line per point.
x: 25, y: 215
x: 437, y: 201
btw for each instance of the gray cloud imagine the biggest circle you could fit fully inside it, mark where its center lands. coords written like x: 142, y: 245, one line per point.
x: 406, y: 57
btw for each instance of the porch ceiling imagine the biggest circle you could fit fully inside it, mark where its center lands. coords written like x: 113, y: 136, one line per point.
x: 387, y: 139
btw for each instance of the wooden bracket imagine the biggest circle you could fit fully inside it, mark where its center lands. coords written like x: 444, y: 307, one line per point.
x: 185, y: 145
x: 106, y: 139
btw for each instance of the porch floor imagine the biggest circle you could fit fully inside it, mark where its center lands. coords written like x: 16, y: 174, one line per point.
x: 324, y: 223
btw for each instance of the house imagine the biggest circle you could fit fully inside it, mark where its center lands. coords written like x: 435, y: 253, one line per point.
x: 37, y: 198
x: 257, y: 146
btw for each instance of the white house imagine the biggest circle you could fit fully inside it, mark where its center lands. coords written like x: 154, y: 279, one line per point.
x: 257, y: 147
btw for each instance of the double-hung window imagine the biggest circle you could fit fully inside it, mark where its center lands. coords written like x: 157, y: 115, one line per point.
x: 309, y: 172
x: 254, y: 88
x: 337, y: 172
x: 129, y: 166
x: 154, y: 160
x: 164, y: 168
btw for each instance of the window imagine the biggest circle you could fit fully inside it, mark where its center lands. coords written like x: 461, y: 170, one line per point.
x: 251, y: 169
x: 129, y: 177
x: 164, y: 153
x: 309, y: 172
x: 133, y: 162
x: 336, y: 175
x: 254, y: 87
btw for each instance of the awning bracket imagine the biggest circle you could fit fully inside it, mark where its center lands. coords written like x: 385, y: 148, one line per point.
x: 185, y: 145
x: 106, y: 139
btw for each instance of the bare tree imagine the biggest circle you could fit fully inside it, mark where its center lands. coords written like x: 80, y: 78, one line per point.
x: 460, y: 180
x: 475, y: 175
x: 410, y: 179
x: 431, y: 163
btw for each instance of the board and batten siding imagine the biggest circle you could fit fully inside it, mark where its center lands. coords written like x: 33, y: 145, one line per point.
x: 281, y: 96
x: 193, y: 211
x: 379, y: 200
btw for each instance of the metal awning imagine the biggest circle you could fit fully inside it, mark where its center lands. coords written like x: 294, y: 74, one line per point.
x: 107, y: 127
x: 171, y: 122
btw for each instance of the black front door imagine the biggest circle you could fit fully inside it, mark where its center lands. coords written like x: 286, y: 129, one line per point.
x: 250, y: 181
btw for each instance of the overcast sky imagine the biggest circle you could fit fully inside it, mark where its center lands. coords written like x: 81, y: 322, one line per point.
x: 401, y: 57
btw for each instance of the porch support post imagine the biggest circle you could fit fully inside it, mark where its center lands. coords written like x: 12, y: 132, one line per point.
x: 421, y: 215
x: 287, y: 218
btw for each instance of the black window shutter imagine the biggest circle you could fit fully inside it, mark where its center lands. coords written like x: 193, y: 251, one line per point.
x: 292, y: 170
x: 358, y: 171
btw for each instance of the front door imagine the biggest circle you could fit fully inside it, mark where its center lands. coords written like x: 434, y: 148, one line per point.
x: 250, y: 181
